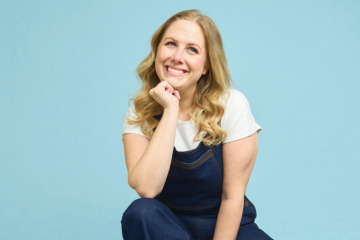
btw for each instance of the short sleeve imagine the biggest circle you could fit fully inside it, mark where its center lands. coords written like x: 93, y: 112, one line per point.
x: 135, y: 128
x: 238, y: 120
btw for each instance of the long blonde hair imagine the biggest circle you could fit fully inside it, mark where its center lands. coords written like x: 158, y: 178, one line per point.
x: 206, y: 110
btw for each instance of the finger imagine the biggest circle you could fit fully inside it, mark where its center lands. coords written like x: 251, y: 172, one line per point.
x: 177, y: 94
x: 169, y: 88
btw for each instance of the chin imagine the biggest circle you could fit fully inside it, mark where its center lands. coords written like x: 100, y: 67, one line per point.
x: 172, y: 81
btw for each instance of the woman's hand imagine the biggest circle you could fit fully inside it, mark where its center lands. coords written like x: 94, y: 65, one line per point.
x: 165, y: 95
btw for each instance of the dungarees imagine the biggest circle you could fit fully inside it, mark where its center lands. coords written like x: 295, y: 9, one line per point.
x: 189, y: 203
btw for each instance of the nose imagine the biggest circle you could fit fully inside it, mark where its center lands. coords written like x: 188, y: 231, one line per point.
x: 178, y: 56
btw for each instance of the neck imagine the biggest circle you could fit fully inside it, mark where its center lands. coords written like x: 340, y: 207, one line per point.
x: 187, y: 99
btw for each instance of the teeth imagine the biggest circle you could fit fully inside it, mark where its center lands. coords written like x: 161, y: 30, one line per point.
x: 174, y: 70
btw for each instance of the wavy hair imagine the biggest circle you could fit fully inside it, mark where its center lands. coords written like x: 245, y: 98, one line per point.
x: 206, y: 110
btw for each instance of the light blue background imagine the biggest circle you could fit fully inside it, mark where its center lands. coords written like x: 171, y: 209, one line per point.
x: 67, y: 69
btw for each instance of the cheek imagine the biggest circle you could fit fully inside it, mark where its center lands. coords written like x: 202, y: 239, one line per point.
x: 158, y: 68
x: 197, y: 65
x: 161, y: 54
x: 159, y: 61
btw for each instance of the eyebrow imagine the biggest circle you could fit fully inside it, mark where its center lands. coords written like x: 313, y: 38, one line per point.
x: 194, y: 44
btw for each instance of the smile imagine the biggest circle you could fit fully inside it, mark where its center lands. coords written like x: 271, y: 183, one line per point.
x: 175, y: 72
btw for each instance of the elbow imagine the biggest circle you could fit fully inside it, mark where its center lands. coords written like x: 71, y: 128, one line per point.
x: 143, y: 193
x: 146, y: 194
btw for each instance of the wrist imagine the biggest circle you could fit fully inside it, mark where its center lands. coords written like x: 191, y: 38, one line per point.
x: 172, y: 110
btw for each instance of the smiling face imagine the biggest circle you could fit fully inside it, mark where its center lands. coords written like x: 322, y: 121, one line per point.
x: 181, y: 55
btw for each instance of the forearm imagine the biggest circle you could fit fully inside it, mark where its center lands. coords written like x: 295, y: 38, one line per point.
x: 150, y: 172
x: 228, y: 220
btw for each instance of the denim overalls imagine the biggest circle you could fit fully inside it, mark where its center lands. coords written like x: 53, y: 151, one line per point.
x: 189, y: 203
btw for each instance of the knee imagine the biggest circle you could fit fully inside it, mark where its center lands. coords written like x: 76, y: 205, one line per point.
x: 140, y: 209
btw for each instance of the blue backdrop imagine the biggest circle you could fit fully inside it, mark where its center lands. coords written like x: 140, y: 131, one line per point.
x: 67, y: 69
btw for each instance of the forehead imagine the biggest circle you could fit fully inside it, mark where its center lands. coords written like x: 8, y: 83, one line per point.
x: 185, y: 31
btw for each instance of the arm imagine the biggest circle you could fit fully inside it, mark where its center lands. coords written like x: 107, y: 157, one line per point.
x: 148, y: 162
x: 149, y: 174
x: 238, y: 160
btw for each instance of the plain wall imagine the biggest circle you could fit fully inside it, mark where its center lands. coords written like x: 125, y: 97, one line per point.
x: 67, y: 69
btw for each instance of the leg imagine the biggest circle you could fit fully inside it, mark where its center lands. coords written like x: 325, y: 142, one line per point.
x: 248, y: 228
x: 252, y: 232
x: 202, y: 227
x: 150, y: 219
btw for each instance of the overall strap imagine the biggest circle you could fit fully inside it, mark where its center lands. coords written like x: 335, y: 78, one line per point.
x: 158, y: 117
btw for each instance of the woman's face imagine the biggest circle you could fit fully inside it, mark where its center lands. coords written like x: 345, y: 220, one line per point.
x: 181, y: 55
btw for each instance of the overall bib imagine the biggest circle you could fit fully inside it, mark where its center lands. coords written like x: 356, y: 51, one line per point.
x: 189, y: 203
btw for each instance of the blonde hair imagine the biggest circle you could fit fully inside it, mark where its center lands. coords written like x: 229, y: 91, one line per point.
x: 206, y: 110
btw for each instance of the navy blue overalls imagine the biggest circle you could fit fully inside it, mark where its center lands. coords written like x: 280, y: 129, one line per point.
x: 189, y: 203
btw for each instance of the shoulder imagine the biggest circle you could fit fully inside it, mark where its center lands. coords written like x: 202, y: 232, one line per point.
x: 236, y: 95
x: 234, y: 99
x: 131, y: 109
x: 131, y: 112
x: 238, y: 120
x: 133, y: 128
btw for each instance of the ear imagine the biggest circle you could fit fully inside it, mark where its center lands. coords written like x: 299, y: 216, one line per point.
x: 207, y: 66
x: 206, y: 69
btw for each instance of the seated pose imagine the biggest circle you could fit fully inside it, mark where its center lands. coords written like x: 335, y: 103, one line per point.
x: 190, y: 140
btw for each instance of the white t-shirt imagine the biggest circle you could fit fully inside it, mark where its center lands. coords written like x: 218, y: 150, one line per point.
x: 237, y: 121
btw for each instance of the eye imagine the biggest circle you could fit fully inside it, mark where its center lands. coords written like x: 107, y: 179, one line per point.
x: 171, y: 44
x: 193, y: 49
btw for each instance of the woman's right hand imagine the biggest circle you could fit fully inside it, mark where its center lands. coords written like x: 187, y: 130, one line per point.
x: 165, y: 95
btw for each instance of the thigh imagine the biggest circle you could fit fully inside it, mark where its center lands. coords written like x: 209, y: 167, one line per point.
x: 202, y: 227
x: 148, y: 218
x: 252, y: 232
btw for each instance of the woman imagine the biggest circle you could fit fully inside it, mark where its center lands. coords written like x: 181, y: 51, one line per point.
x: 190, y: 141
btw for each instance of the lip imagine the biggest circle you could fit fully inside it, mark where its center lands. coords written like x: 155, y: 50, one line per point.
x: 175, y: 74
